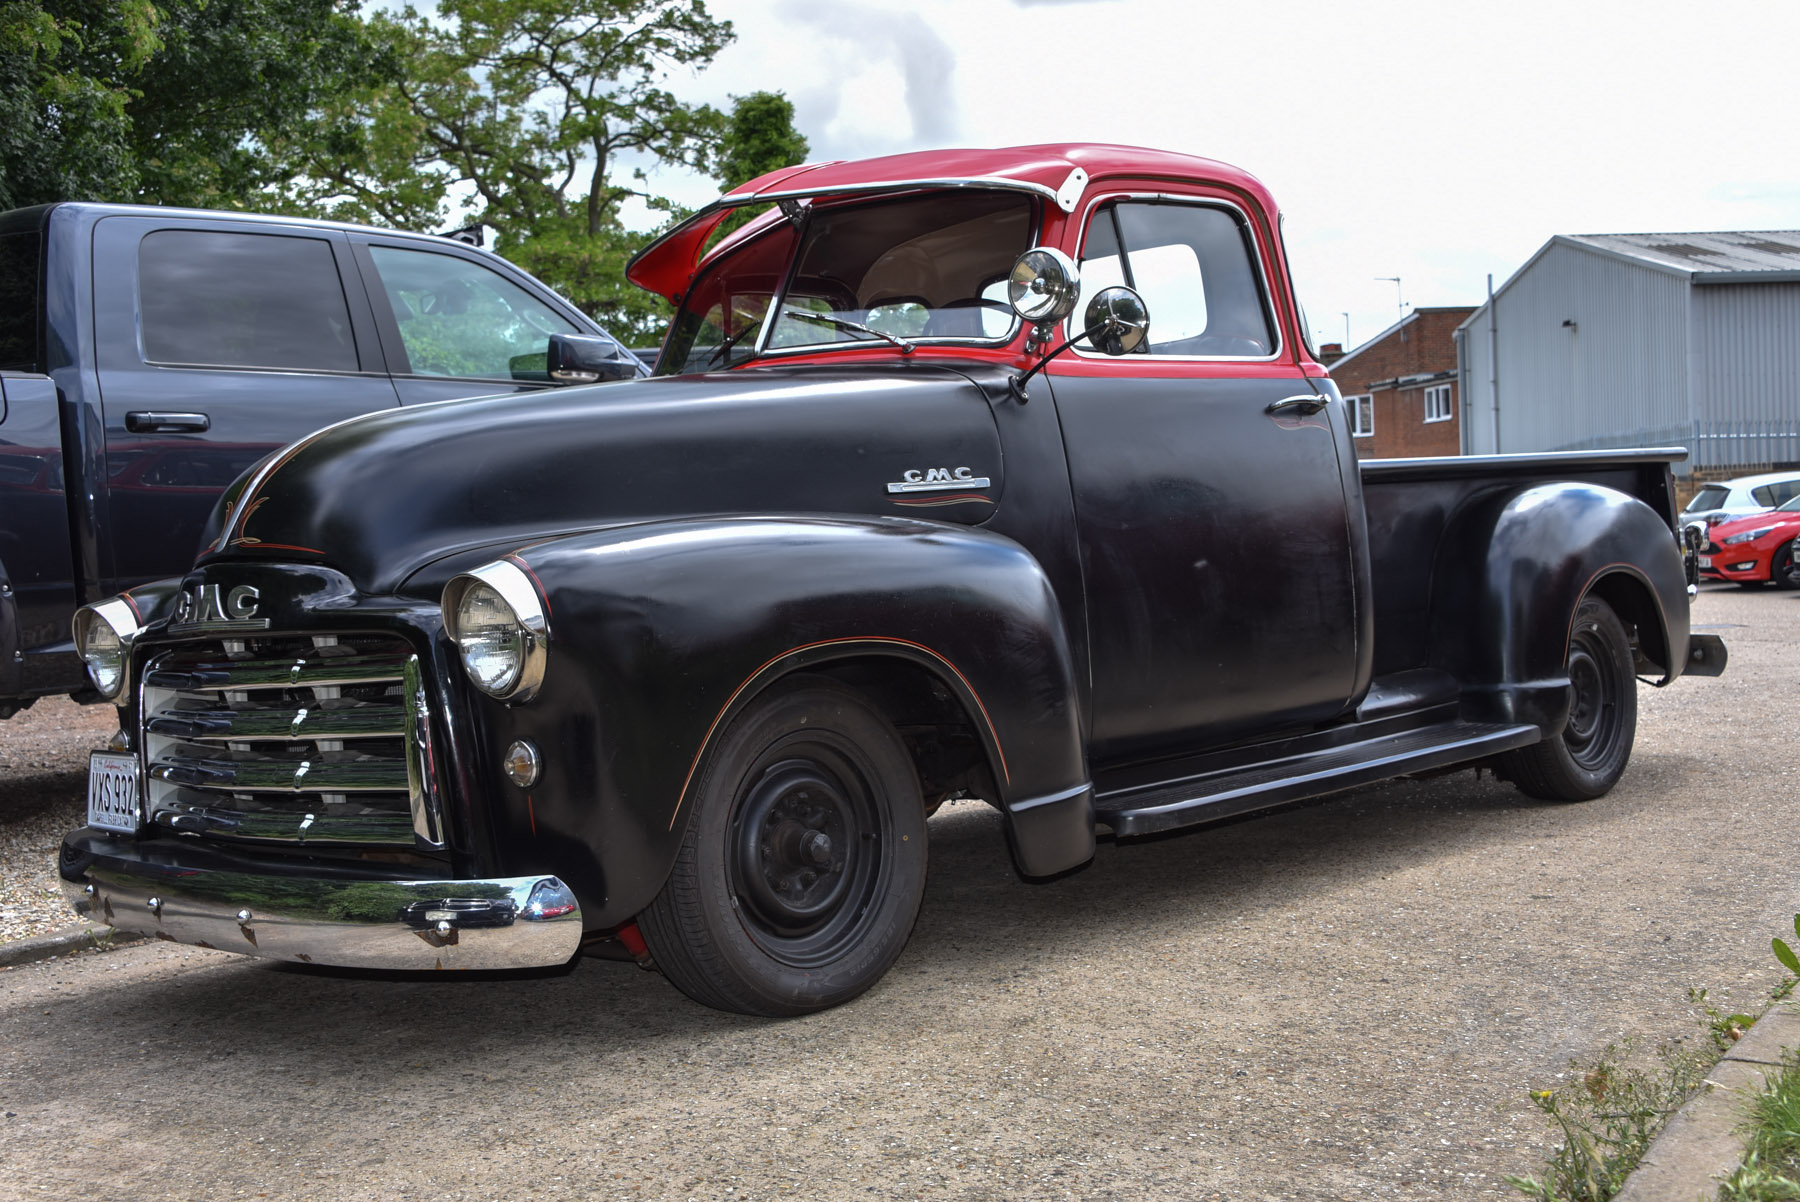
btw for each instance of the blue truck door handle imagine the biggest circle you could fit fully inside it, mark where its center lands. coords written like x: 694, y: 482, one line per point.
x: 145, y: 422
x: 1308, y: 403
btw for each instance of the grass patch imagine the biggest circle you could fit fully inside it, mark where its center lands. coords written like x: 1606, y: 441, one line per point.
x: 1771, y: 1168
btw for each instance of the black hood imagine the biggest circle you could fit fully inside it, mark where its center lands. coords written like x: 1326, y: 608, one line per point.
x: 381, y: 496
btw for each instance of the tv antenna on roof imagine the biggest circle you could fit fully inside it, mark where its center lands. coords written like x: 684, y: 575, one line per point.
x: 1399, y: 300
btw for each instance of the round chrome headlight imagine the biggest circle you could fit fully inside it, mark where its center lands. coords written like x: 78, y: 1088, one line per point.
x: 103, y: 635
x: 497, y: 622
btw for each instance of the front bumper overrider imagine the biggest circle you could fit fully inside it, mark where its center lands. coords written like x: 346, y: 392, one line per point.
x: 502, y: 923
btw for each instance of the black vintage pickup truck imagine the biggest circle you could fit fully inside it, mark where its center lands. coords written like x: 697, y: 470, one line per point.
x: 149, y: 355
x: 1002, y: 474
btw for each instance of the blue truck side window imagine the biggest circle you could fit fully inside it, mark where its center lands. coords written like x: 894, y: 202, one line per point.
x: 458, y: 318
x: 19, y: 301
x: 213, y: 299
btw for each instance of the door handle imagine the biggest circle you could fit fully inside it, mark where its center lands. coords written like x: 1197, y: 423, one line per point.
x: 1308, y: 403
x: 146, y: 422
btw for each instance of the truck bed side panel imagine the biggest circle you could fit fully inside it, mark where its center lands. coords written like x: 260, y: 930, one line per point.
x: 1410, y: 502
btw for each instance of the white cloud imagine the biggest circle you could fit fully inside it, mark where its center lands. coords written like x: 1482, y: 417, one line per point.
x: 1437, y: 143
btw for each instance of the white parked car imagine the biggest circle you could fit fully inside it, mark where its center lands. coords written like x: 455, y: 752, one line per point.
x: 1727, y: 499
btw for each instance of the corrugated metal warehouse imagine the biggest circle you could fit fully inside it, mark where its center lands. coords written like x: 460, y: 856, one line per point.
x: 1618, y: 340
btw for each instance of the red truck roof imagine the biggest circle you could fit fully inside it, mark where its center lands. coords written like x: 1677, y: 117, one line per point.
x: 667, y: 265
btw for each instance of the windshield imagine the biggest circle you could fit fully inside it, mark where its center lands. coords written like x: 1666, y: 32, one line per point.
x: 920, y: 268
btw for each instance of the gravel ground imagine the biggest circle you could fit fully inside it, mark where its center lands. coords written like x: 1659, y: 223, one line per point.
x: 1347, y: 1001
x: 43, y: 796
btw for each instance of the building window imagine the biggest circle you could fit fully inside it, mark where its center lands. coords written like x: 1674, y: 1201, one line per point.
x: 1362, y: 415
x: 1437, y: 403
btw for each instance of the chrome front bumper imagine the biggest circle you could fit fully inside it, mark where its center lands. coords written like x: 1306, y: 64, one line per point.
x: 509, y: 922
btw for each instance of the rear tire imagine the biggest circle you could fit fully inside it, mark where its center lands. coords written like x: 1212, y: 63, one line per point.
x: 801, y: 873
x: 1589, y: 755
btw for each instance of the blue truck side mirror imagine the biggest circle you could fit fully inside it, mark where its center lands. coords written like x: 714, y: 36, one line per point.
x: 588, y: 359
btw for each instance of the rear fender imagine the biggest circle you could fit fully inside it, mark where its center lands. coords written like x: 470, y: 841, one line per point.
x: 1510, y: 571
x: 662, y: 633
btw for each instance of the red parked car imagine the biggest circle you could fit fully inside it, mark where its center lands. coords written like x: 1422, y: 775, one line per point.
x: 1756, y: 549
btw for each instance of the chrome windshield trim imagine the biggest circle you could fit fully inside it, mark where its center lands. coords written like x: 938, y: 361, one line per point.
x: 739, y: 200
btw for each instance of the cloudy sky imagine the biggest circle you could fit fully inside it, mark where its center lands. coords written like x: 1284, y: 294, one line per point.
x: 1434, y: 142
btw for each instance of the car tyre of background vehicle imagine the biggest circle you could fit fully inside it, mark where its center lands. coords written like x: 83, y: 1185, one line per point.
x: 1782, y: 568
x: 803, y: 866
x: 1587, y: 758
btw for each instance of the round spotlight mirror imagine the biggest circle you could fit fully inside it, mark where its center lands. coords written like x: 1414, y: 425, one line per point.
x: 1043, y: 286
x: 1117, y: 320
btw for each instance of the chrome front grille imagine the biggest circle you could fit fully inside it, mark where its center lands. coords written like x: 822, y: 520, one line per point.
x: 320, y: 740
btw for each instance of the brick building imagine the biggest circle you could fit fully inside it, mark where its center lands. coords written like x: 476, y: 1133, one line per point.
x: 1400, y: 387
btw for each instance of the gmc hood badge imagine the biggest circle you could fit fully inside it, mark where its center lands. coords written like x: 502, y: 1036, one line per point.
x: 937, y: 479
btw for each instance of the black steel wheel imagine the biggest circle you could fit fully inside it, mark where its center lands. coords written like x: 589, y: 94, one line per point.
x: 1782, y: 568
x: 803, y: 866
x: 1589, y: 755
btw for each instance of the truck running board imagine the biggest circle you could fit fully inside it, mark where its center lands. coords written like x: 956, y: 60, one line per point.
x: 1149, y: 809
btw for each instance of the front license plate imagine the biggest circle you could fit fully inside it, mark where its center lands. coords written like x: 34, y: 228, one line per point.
x: 113, y: 792
x: 1706, y: 561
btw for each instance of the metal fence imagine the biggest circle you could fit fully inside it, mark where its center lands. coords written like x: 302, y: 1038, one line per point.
x: 1748, y: 445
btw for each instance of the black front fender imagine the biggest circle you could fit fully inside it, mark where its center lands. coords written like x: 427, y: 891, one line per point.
x: 661, y: 633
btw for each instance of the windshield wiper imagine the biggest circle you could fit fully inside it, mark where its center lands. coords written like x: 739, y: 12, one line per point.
x: 855, y: 327
x: 732, y: 341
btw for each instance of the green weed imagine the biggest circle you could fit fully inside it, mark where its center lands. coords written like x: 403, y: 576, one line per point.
x: 1614, y: 1107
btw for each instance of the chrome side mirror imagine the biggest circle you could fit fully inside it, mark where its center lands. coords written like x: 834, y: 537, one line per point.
x: 1117, y: 321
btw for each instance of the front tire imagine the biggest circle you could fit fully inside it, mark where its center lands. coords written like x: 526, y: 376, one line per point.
x: 1589, y: 755
x: 1782, y: 568
x: 801, y: 873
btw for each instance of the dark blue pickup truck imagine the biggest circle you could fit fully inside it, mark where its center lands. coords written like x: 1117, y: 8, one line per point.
x: 149, y: 356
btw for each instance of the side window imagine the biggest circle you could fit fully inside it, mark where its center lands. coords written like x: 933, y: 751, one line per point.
x: 1193, y: 265
x: 214, y: 299
x: 19, y: 301
x: 1780, y: 492
x: 1362, y: 411
x: 458, y: 318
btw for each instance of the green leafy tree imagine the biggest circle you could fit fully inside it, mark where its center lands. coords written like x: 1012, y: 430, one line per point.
x: 759, y: 138
x: 64, y: 132
x: 527, y: 108
x: 175, y: 102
